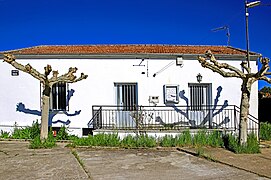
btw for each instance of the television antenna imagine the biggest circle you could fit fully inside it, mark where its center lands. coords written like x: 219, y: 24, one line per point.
x: 227, y: 29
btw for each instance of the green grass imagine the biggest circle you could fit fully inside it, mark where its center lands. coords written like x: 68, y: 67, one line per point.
x: 4, y: 134
x: 78, y: 158
x: 232, y: 144
x: 184, y: 139
x: 146, y: 141
x: 265, y: 131
x: 215, y: 139
x: 112, y: 140
x: 200, y: 139
x: 62, y: 134
x: 29, y: 132
x: 36, y: 143
x: 129, y: 142
x: 168, y: 141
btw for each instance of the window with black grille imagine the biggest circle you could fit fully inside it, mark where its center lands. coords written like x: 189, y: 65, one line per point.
x: 58, y: 97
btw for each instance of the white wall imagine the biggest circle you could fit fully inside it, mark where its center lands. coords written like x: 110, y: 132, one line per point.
x: 98, y: 88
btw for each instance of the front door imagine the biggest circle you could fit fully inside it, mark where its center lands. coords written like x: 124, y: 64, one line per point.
x: 126, y: 101
x: 200, y: 104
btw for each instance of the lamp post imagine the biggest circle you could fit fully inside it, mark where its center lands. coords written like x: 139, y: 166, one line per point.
x: 249, y: 5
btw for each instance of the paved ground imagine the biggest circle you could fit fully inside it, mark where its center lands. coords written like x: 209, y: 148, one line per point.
x: 19, y: 162
x: 155, y: 164
x: 257, y: 163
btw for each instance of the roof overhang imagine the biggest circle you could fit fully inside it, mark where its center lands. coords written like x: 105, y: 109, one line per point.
x: 132, y: 56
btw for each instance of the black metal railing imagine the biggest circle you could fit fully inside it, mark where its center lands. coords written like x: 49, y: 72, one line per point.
x: 168, y: 118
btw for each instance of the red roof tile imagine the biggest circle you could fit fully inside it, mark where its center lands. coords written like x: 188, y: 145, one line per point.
x: 125, y: 49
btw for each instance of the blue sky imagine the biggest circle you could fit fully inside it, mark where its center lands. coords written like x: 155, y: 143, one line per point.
x: 26, y: 23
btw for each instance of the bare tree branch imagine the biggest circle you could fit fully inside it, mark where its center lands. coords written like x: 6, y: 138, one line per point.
x: 267, y: 73
x: 244, y: 65
x: 27, y: 68
x: 265, y: 67
x: 267, y: 79
x: 216, y: 69
x: 210, y: 55
x: 68, y: 77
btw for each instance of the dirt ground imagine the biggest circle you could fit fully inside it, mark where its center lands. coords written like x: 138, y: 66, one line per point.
x: 19, y: 162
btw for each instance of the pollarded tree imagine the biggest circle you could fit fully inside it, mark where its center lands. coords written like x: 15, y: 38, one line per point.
x: 247, y: 77
x: 47, y: 83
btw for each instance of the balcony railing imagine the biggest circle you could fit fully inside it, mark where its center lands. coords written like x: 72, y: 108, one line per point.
x: 168, y: 118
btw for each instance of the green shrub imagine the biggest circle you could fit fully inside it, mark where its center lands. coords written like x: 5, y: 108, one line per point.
x: 97, y: 140
x: 184, y: 139
x: 265, y: 131
x: 62, y: 134
x: 168, y: 141
x: 4, y: 134
x: 232, y: 144
x: 84, y: 141
x: 34, y: 129
x: 106, y: 140
x: 200, y: 139
x: 21, y: 133
x: 29, y: 132
x: 145, y: 141
x: 252, y: 144
x: 129, y: 142
x: 215, y: 139
x: 36, y: 143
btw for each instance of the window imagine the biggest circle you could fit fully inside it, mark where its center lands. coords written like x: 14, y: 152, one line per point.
x: 126, y: 95
x: 58, y: 97
x: 200, y: 96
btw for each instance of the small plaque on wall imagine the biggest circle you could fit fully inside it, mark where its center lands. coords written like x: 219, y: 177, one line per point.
x: 171, y: 94
x: 14, y: 72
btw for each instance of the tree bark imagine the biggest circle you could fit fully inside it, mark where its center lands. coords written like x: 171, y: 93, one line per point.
x: 244, y: 112
x: 44, y: 117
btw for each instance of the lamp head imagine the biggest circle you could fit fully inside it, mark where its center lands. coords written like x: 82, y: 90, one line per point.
x: 199, y: 77
x: 253, y: 4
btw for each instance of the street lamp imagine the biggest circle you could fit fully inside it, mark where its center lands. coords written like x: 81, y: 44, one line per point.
x: 249, y: 5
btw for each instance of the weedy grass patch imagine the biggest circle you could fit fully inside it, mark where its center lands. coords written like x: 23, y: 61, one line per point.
x: 265, y: 131
x: 4, y: 134
x: 36, y: 143
x: 232, y: 144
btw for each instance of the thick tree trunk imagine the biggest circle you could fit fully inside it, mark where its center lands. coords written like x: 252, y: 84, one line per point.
x: 244, y: 112
x: 45, y: 111
x: 44, y: 117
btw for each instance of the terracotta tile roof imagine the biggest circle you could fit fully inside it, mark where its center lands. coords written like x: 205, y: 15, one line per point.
x: 125, y: 49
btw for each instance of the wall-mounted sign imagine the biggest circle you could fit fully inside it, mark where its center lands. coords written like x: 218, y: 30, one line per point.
x: 14, y: 72
x: 171, y: 94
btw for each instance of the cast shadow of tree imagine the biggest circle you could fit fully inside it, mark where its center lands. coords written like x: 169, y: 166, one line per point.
x: 21, y: 108
x: 211, y: 113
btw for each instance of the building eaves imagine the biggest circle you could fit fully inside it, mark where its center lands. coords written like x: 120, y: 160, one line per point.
x: 129, y: 51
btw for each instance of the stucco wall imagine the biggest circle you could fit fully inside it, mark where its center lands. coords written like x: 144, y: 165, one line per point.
x: 98, y: 88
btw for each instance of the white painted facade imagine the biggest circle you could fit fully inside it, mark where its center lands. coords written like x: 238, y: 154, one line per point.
x: 98, y: 88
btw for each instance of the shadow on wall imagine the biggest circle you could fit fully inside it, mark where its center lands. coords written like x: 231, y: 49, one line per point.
x: 21, y: 108
x: 211, y: 113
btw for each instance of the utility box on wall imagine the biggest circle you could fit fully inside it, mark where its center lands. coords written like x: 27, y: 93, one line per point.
x: 171, y: 94
x: 154, y: 100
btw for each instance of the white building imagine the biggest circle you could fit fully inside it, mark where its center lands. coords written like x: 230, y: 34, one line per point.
x: 161, y: 78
